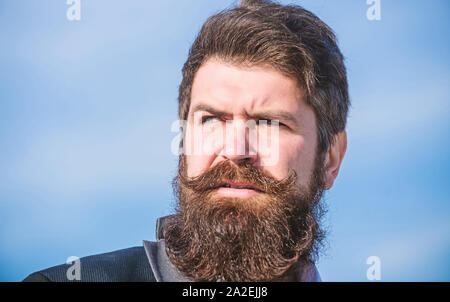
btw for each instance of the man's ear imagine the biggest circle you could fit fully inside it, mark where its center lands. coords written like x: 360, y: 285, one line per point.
x: 333, y: 158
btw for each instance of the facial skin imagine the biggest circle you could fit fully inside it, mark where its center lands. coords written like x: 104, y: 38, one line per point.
x: 245, y: 93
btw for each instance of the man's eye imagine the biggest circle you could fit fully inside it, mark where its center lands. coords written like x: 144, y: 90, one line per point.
x: 270, y: 122
x: 207, y: 119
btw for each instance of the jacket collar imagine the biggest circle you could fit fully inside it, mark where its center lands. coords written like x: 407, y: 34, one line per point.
x: 165, y: 271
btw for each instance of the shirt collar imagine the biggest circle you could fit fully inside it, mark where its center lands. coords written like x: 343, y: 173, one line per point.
x: 165, y: 271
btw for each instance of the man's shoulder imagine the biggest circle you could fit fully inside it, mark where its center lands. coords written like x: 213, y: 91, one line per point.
x: 125, y: 265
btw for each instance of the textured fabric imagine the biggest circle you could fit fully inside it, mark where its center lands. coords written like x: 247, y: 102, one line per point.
x: 36, y: 277
x: 125, y: 265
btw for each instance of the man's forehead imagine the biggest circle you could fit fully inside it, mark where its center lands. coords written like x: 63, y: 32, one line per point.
x: 233, y: 88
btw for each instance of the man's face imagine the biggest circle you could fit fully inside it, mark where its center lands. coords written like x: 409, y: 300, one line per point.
x: 241, y: 95
x: 244, y: 216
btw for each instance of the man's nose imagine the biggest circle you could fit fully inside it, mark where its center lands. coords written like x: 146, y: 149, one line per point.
x: 240, y: 142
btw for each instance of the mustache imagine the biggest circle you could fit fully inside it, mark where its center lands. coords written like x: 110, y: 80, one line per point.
x: 242, y: 172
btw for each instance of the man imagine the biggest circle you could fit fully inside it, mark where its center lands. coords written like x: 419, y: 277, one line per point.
x: 248, y: 203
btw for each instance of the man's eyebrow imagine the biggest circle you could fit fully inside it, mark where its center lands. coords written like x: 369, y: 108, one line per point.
x: 274, y: 115
x: 210, y: 109
x: 261, y: 115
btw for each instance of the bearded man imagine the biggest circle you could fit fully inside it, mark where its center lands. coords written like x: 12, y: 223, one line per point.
x: 248, y: 203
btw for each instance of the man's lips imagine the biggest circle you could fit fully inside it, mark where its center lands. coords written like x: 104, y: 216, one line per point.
x: 238, y: 185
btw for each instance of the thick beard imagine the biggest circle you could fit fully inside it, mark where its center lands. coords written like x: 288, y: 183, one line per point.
x: 260, y: 238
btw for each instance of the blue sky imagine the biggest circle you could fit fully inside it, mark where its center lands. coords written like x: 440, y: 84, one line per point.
x: 86, y: 109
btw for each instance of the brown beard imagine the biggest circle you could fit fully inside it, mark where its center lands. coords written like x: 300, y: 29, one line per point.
x: 235, y: 239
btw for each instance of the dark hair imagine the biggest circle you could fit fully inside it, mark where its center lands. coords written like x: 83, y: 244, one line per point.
x: 288, y: 38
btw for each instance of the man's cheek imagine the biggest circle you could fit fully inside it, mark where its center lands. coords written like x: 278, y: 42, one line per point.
x: 196, y: 165
x: 213, y: 140
x: 268, y: 146
x: 205, y: 140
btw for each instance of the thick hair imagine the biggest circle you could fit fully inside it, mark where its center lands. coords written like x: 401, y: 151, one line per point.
x: 288, y: 38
